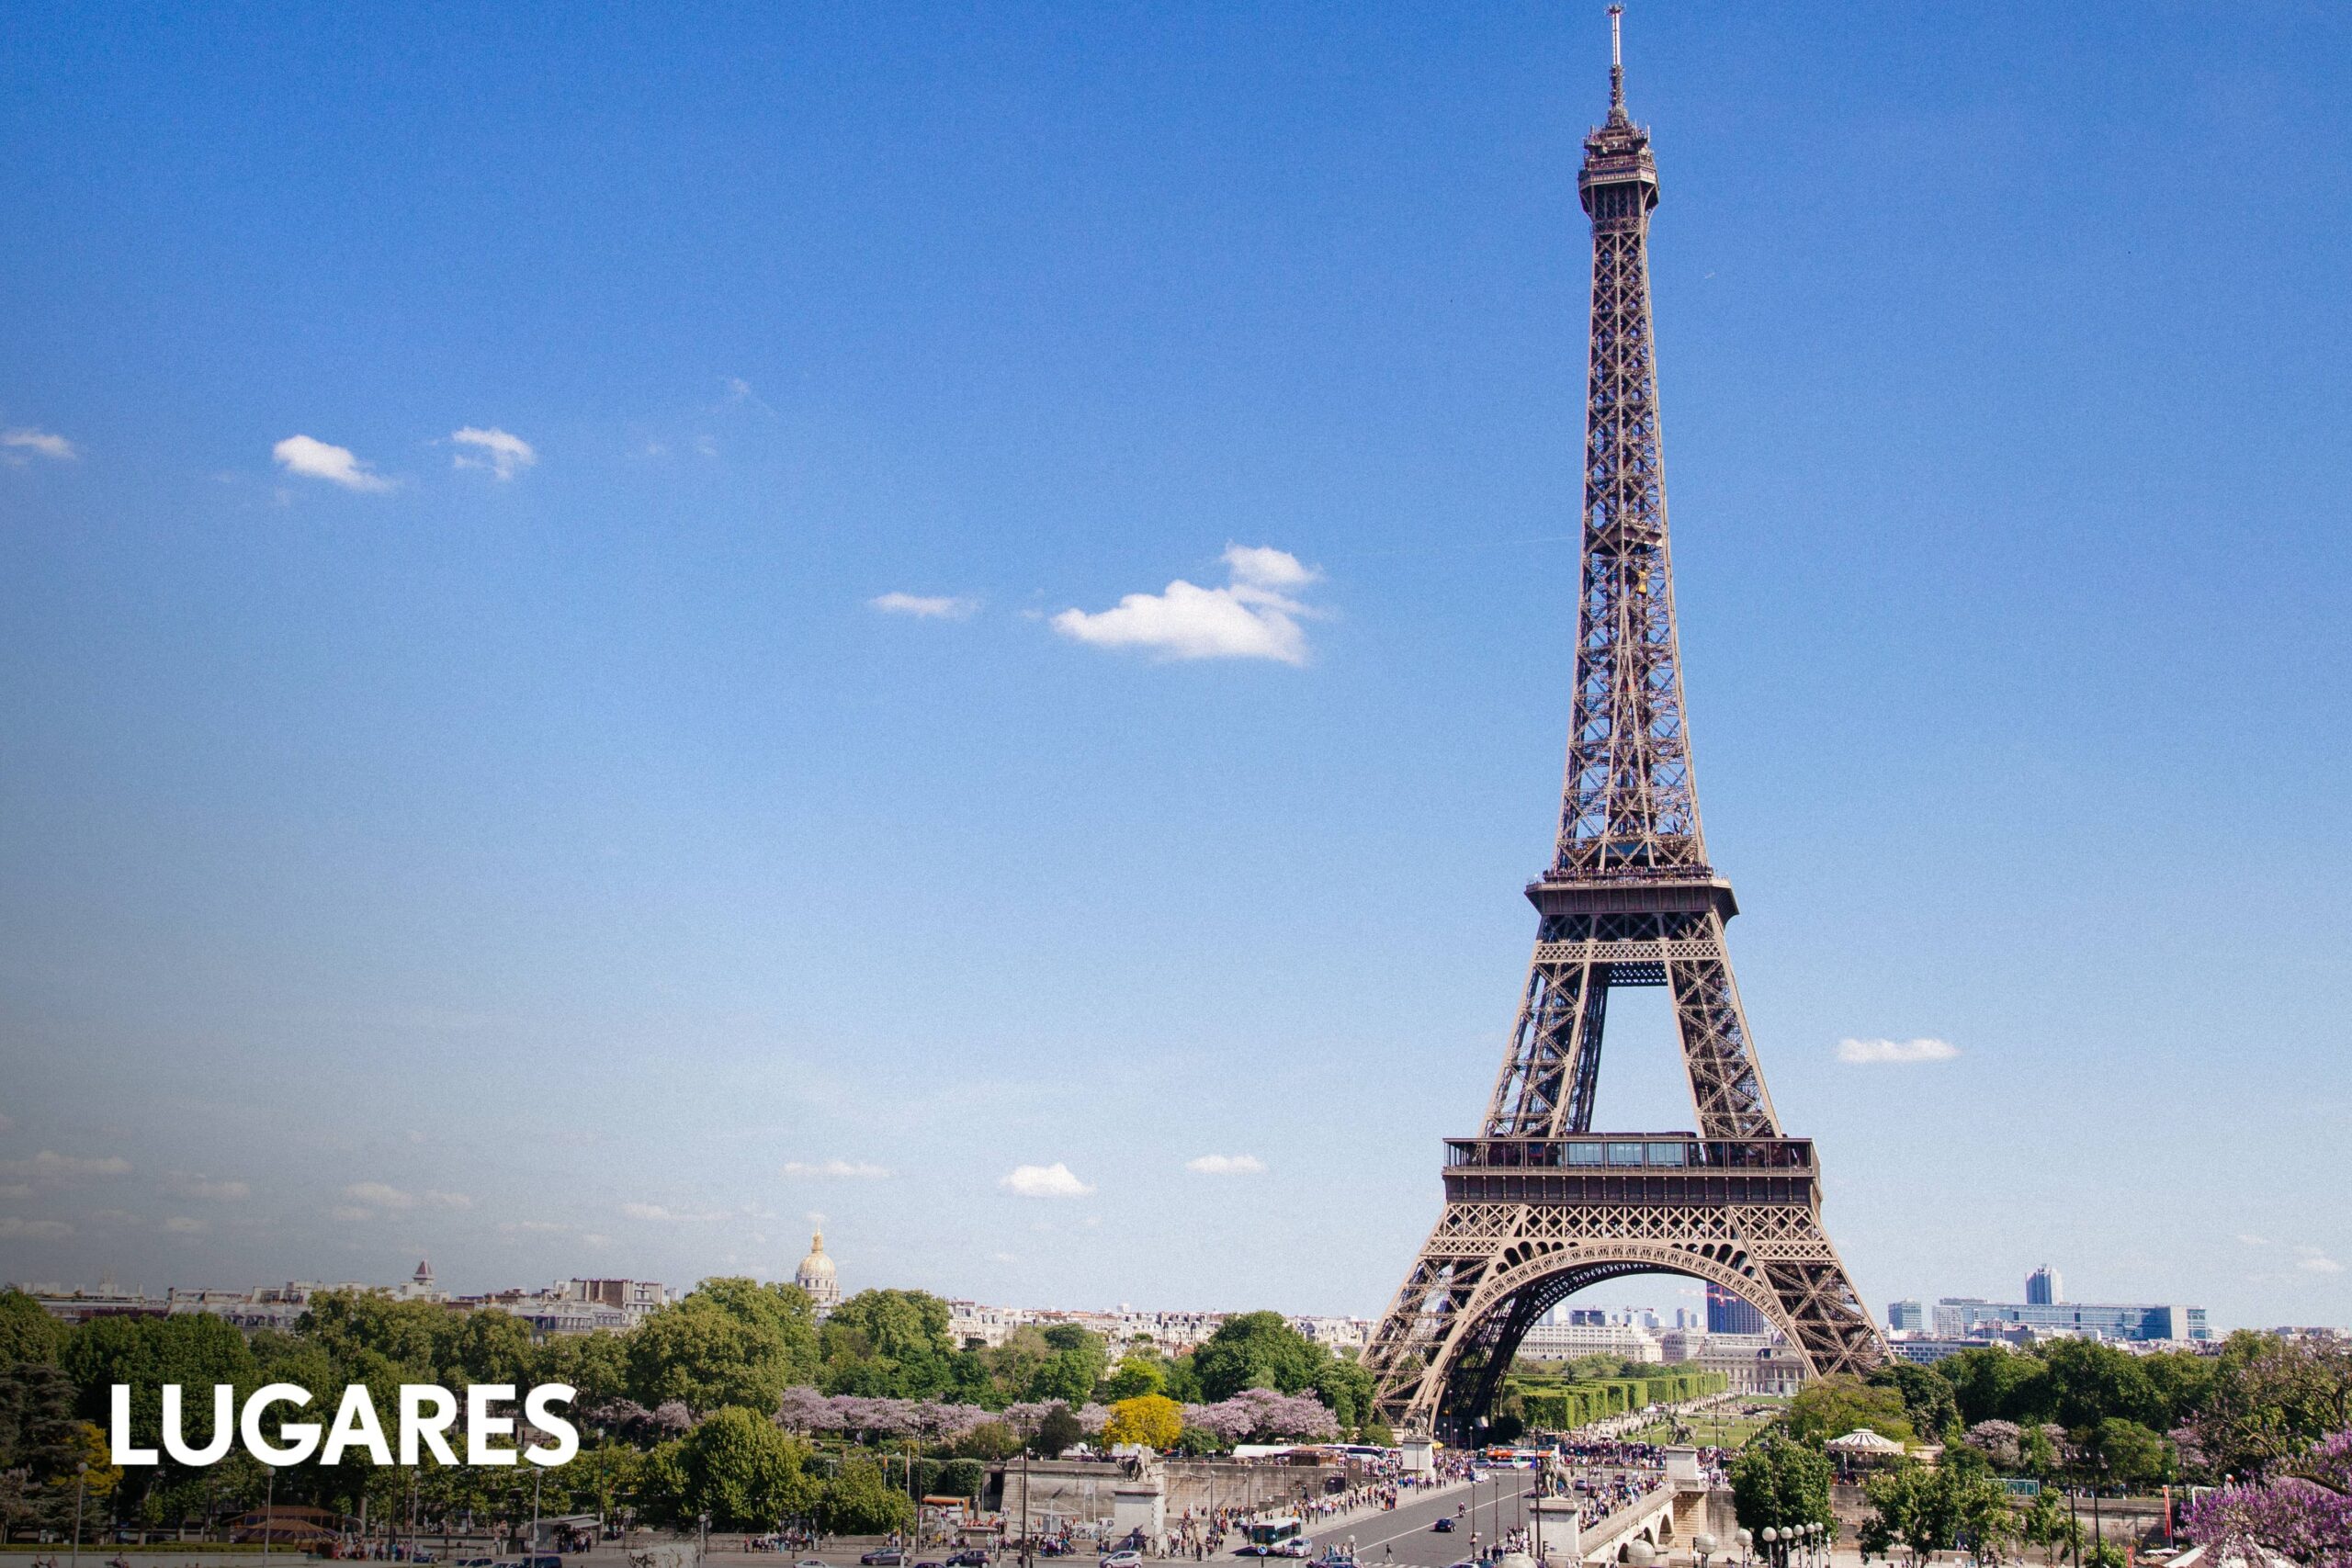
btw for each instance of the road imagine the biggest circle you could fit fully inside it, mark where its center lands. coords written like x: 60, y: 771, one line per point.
x: 1407, y: 1530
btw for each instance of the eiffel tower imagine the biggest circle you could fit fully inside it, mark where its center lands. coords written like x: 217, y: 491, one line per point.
x: 1538, y: 1205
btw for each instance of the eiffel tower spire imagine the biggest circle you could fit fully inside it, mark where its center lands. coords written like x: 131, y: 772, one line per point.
x: 1539, y: 1205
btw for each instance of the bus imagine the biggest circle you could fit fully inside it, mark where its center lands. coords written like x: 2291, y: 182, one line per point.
x: 1284, y: 1537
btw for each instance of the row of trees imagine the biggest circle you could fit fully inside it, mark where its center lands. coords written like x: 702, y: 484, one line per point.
x: 2264, y: 1419
x: 734, y: 1403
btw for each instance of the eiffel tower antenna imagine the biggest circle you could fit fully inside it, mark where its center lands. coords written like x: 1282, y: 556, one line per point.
x: 1616, y: 60
x: 1539, y: 1205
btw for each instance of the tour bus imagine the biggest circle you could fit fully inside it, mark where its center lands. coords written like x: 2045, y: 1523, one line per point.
x: 1284, y: 1537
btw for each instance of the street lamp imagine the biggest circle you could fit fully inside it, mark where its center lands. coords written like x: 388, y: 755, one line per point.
x: 1772, y: 1544
x: 1747, y: 1539
x: 81, y: 1479
x: 1704, y: 1545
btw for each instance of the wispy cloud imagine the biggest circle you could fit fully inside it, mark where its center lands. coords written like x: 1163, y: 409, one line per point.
x: 1054, y: 1181
x: 381, y: 1195
x: 15, y: 1188
x: 503, y: 454
x: 182, y: 1224
x: 52, y: 1168
x: 669, y: 1215
x: 1871, y: 1053
x: 15, y: 1229
x: 1254, y: 616
x: 1225, y: 1165
x: 2313, y: 1260
x: 15, y: 445
x: 925, y: 606
x: 179, y: 1184
x: 319, y: 460
x: 858, y: 1168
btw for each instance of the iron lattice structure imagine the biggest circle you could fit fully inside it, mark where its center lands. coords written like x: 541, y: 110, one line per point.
x: 1538, y: 1206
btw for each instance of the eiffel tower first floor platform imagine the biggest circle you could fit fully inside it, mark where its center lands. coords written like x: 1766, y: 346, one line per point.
x: 1529, y: 1221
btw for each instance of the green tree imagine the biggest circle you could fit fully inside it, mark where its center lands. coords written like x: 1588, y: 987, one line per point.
x: 1993, y: 1382
x: 489, y: 1347
x: 196, y: 1350
x: 1135, y: 1375
x: 1058, y: 1430
x: 1923, y: 1511
x: 26, y: 1331
x: 2045, y: 1523
x: 1929, y: 1402
x: 991, y: 1440
x: 888, y: 1343
x: 739, y: 1467
x: 859, y: 1502
x: 2128, y: 1453
x: 410, y: 1336
x: 1256, y: 1349
x: 1780, y: 1482
x: 2090, y: 1382
x: 40, y: 1442
x: 1074, y: 1367
x: 1834, y: 1405
x: 729, y: 1342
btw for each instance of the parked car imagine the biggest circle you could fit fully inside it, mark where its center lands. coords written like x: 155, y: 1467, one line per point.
x: 539, y: 1559
x: 811, y: 1562
x: 1444, y: 1525
x: 1122, y: 1560
x: 884, y: 1557
x: 970, y: 1557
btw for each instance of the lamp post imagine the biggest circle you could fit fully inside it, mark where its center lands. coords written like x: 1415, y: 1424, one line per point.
x: 1773, y: 1545
x: 81, y: 1479
x: 1747, y: 1539
x: 1704, y: 1545
x: 269, y: 1512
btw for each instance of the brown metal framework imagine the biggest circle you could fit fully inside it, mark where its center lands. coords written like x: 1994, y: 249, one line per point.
x: 1538, y: 1206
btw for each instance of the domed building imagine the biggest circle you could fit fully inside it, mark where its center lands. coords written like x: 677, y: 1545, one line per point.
x: 816, y: 1277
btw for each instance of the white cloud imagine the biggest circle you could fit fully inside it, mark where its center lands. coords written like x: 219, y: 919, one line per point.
x: 503, y: 455
x: 14, y: 443
x: 834, y: 1167
x: 532, y: 1227
x: 15, y: 1188
x: 1053, y: 1180
x: 2312, y: 1260
x: 1225, y: 1165
x: 448, y: 1199
x: 51, y: 1166
x: 379, y: 1194
x: 1002, y: 1258
x: 674, y: 1216
x: 350, y: 1216
x: 15, y: 1229
x: 2254, y: 1240
x: 1870, y: 1052
x: 182, y: 1185
x: 181, y: 1225
x: 924, y: 607
x: 318, y: 460
x: 708, y: 447
x: 1250, y: 617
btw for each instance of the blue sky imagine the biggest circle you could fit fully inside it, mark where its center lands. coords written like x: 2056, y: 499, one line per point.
x: 565, y: 866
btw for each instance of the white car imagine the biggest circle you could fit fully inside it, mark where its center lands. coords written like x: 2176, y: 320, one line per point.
x: 1122, y: 1560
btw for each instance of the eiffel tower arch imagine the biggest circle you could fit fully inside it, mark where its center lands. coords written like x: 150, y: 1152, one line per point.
x: 1538, y: 1205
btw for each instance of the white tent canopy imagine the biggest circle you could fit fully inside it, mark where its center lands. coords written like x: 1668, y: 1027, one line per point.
x: 1862, y: 1440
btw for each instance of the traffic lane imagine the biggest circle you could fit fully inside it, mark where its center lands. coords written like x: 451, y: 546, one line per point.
x: 1410, y: 1533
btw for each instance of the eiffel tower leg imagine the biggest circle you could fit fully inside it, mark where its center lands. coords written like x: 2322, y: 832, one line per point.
x: 1490, y: 1271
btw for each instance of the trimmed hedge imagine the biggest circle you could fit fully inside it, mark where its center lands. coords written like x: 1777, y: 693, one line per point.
x: 1563, y: 1406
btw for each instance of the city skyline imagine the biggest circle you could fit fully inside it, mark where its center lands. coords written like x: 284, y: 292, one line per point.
x: 971, y: 637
